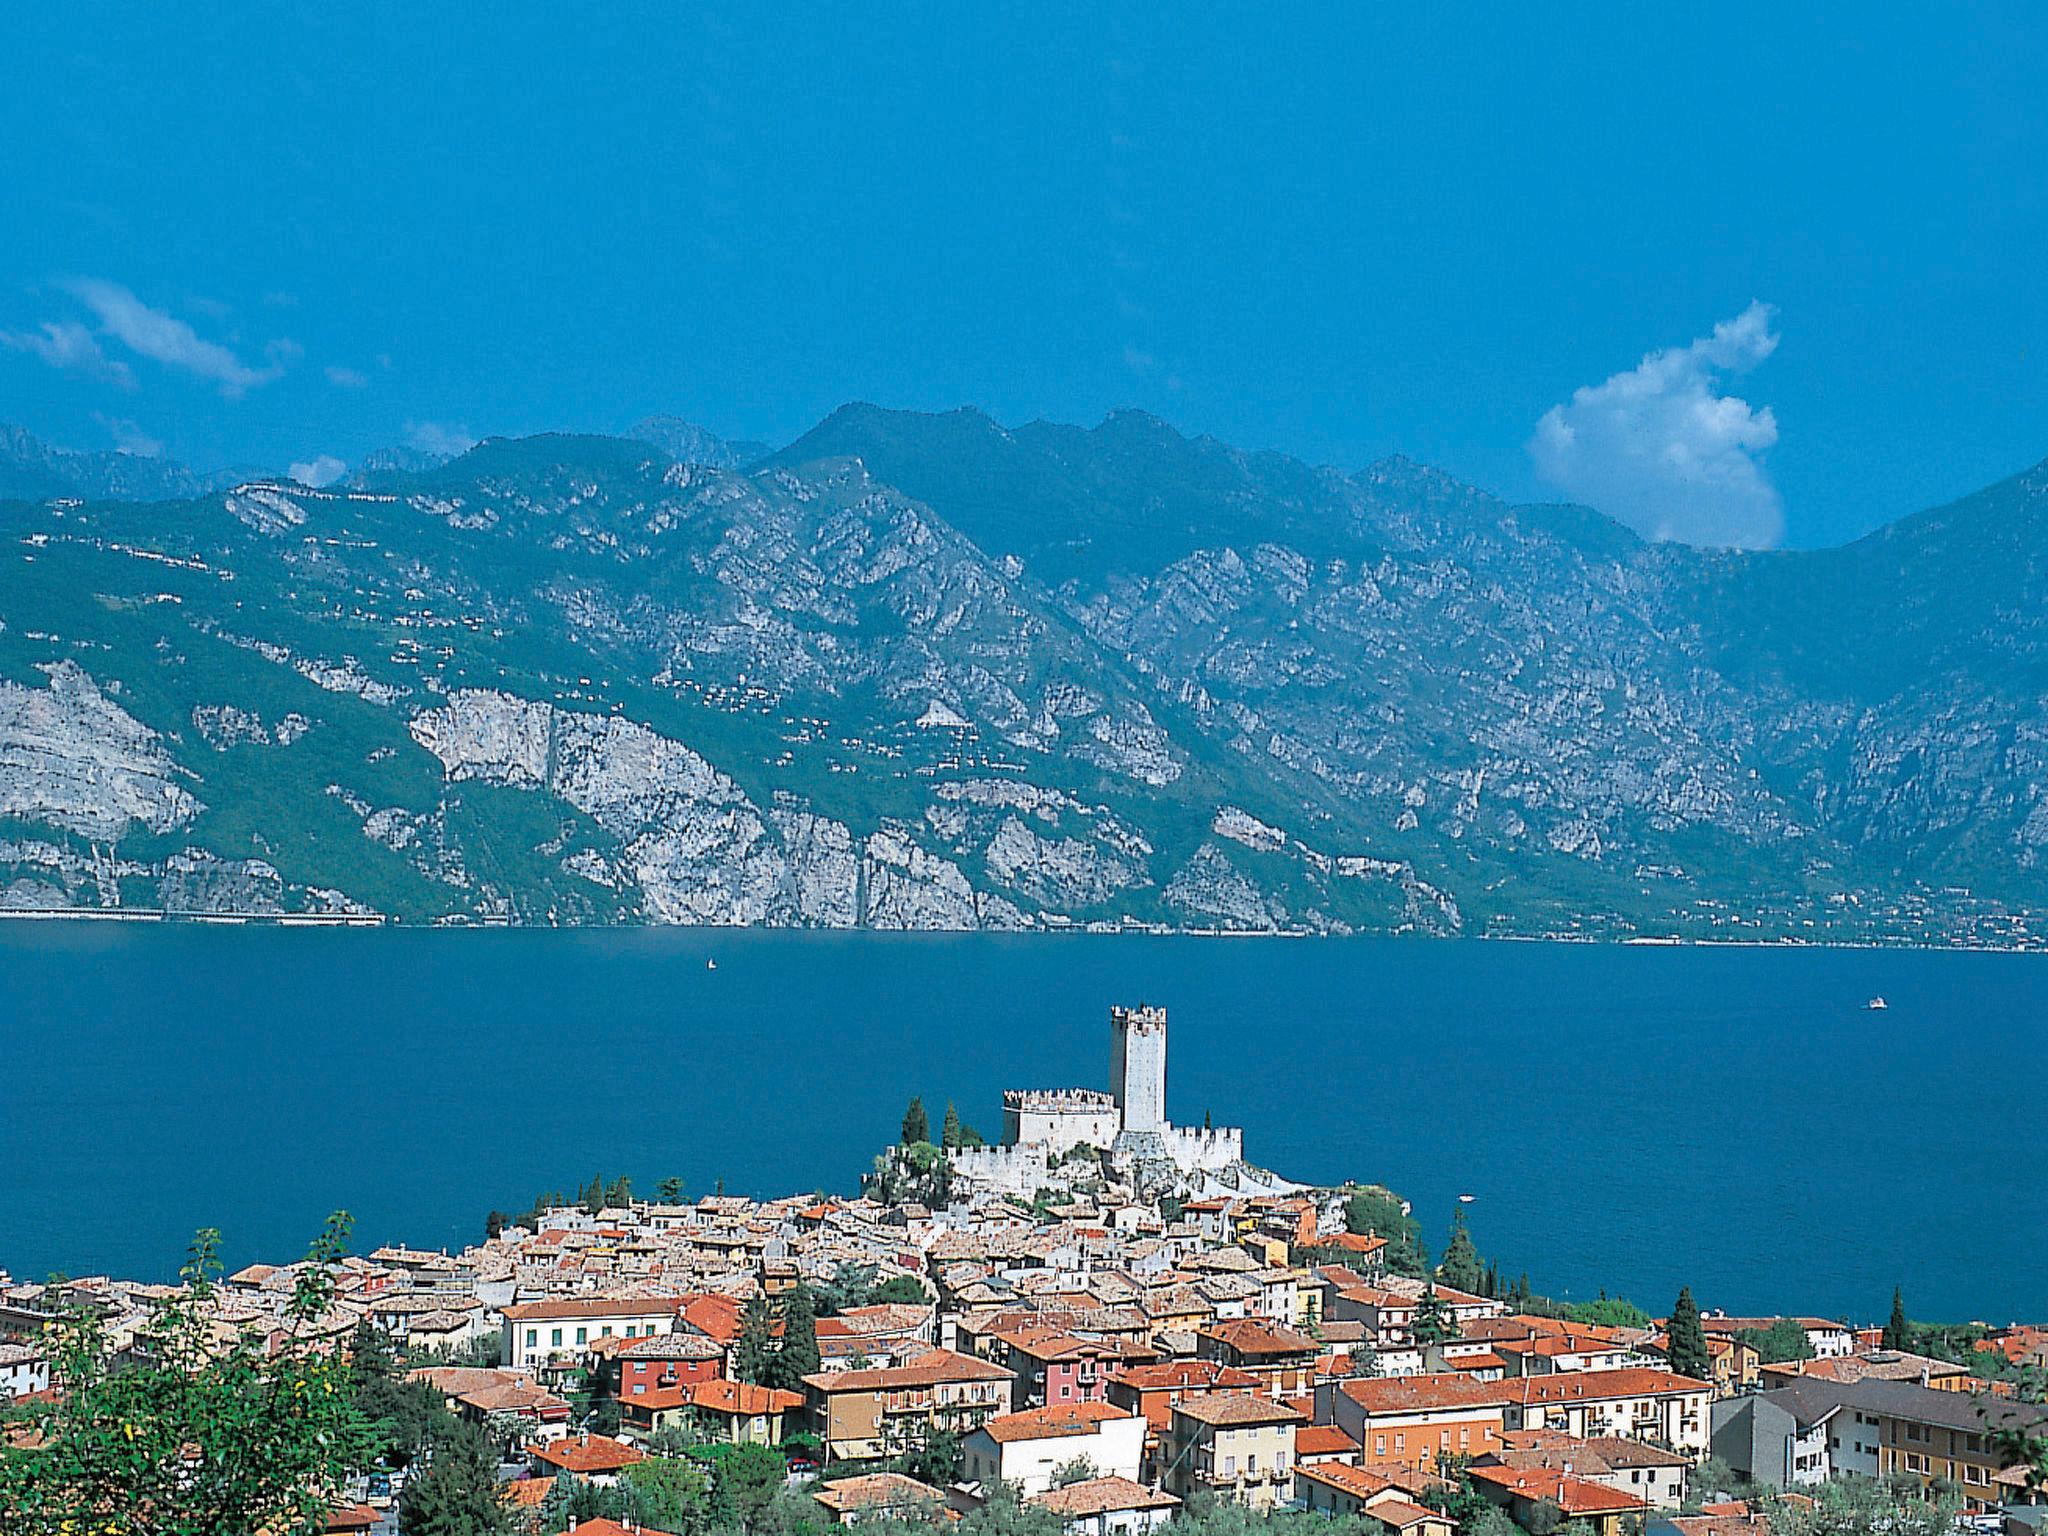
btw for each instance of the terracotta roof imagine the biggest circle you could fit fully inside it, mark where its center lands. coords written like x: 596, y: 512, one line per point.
x: 1226, y: 1410
x: 875, y: 1490
x: 1425, y: 1394
x: 1252, y: 1336
x: 1322, y: 1440
x: 1169, y: 1375
x: 1055, y: 1422
x: 588, y: 1453
x: 1101, y: 1496
x: 1402, y: 1515
x: 1574, y: 1495
x: 927, y: 1370
x: 739, y: 1397
x: 1344, y: 1477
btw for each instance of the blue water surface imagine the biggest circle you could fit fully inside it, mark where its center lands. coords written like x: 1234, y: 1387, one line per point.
x: 1633, y: 1118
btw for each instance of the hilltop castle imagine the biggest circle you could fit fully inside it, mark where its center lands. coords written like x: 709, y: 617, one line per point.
x: 1127, y: 1126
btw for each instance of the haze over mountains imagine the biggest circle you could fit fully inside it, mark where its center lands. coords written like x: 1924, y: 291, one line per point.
x: 924, y: 671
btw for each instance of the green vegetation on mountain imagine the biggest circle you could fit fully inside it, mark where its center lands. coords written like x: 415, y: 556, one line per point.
x: 930, y: 672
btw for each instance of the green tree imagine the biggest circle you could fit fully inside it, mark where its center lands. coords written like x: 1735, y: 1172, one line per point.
x: 1861, y: 1506
x: 1897, y: 1330
x: 917, y: 1127
x: 949, y: 1128
x: 495, y: 1224
x: 1783, y: 1340
x: 753, y: 1351
x: 205, y: 1435
x: 669, y: 1190
x: 404, y: 1416
x: 671, y: 1494
x: 1609, y: 1313
x: 903, y: 1290
x: 1461, y: 1269
x: 458, y: 1494
x: 1686, y: 1340
x: 747, y: 1480
x: 1544, y: 1518
x: 934, y: 1456
x: 1433, y: 1322
x: 798, y: 1355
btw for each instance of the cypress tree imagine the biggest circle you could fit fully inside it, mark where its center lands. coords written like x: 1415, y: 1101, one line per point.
x: 917, y: 1126
x: 1686, y: 1341
x: 798, y: 1357
x: 1432, y: 1318
x: 1896, y: 1331
x: 753, y: 1352
x: 1461, y: 1269
x: 458, y: 1493
x: 949, y: 1130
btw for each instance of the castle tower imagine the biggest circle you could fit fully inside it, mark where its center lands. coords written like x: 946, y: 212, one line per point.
x: 1137, y: 1067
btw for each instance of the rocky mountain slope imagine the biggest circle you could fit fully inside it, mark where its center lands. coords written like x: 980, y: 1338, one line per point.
x: 928, y: 672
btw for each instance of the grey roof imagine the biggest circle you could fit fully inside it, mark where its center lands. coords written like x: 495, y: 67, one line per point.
x: 1810, y: 1401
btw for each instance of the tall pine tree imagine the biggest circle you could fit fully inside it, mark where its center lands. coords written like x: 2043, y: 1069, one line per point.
x: 1461, y: 1269
x: 1896, y: 1331
x: 949, y: 1129
x: 1686, y: 1341
x: 458, y: 1493
x: 753, y: 1352
x: 1432, y: 1318
x: 798, y: 1356
x: 917, y: 1125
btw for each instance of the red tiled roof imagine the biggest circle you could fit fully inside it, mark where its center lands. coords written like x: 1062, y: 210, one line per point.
x: 1054, y: 1422
x: 588, y: 1453
x: 1574, y: 1495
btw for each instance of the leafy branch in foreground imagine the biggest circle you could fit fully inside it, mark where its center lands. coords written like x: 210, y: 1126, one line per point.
x: 204, y: 1428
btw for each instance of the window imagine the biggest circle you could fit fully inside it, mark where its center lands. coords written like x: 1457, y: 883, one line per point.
x: 532, y: 1337
x: 582, y: 1335
x: 555, y: 1337
x: 605, y: 1332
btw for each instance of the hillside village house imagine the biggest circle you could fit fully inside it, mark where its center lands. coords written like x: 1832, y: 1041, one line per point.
x: 1814, y: 1430
x: 1108, y: 1506
x: 1283, y: 1360
x: 877, y: 1496
x: 24, y: 1368
x: 1646, y: 1472
x: 1339, y: 1489
x: 1409, y: 1422
x: 1234, y: 1446
x: 872, y: 1413
x: 1028, y: 1448
x: 1634, y: 1404
x: 594, y: 1458
x: 535, y: 1331
x: 1607, y: 1510
x: 1053, y: 1367
x: 1153, y: 1391
x: 731, y: 1412
x: 650, y: 1363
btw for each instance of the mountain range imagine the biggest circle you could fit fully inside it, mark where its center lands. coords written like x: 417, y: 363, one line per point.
x: 927, y: 671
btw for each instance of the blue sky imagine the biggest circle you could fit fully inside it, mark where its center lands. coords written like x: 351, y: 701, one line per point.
x: 1341, y: 232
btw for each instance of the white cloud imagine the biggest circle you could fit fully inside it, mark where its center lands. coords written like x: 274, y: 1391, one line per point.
x: 437, y: 437
x: 70, y: 346
x: 1663, y: 449
x: 166, y: 339
x: 130, y: 438
x: 324, y: 470
x: 346, y: 378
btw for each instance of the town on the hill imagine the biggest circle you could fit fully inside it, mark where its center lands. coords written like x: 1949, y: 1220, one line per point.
x: 1102, y: 1325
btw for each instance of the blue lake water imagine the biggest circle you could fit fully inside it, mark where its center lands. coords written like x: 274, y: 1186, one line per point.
x: 1633, y: 1118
